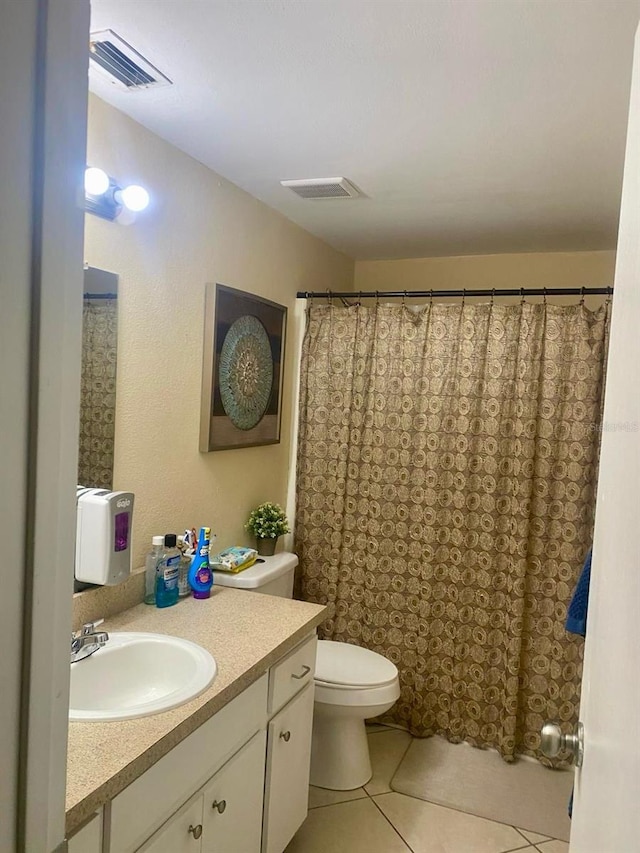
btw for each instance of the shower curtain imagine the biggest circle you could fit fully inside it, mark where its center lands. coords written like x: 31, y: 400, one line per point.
x: 445, y: 494
x: 98, y: 392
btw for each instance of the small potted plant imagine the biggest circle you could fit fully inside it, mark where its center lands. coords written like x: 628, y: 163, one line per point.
x: 267, y: 522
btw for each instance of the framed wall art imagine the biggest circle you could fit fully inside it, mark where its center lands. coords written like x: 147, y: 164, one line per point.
x: 242, y: 375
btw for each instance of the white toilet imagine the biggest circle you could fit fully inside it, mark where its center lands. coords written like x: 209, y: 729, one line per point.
x: 352, y: 684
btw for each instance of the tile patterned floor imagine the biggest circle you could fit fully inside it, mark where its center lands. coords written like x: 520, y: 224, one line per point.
x: 375, y: 819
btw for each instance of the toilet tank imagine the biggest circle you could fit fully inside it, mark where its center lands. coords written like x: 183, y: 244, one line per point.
x: 271, y: 575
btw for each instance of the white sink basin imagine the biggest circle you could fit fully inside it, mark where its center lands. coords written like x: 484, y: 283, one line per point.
x: 136, y: 675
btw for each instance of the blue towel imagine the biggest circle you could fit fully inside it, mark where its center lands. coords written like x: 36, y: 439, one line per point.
x: 577, y: 614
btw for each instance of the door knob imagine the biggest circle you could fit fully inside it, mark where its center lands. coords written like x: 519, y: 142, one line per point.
x: 220, y: 805
x: 553, y: 741
x: 286, y: 736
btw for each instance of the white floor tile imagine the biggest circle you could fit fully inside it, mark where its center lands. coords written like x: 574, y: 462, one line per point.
x: 428, y: 828
x: 553, y: 847
x: 533, y: 837
x: 387, y: 750
x: 354, y: 827
x: 323, y: 797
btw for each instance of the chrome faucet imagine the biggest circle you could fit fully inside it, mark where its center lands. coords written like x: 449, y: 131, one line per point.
x: 87, y: 641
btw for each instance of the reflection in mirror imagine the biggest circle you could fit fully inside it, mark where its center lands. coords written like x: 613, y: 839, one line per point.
x: 98, y: 394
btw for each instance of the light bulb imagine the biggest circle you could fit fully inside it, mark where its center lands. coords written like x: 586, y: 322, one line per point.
x: 134, y: 197
x: 96, y: 181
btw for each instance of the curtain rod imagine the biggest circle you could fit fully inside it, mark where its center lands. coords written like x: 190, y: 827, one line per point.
x: 429, y: 294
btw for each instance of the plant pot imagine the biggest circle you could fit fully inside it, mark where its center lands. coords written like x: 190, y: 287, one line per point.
x: 266, y: 547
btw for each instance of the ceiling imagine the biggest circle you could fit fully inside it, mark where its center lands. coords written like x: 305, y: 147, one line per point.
x: 470, y: 126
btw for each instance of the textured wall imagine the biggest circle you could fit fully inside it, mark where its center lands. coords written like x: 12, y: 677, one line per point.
x: 200, y: 228
x: 552, y: 269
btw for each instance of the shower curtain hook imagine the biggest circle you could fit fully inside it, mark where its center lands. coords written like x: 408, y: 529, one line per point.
x: 404, y: 299
x: 359, y: 298
x: 377, y: 298
x: 464, y: 296
x: 522, y: 296
x: 582, y: 296
x: 544, y: 295
x: 329, y: 298
x: 493, y: 295
x: 431, y: 299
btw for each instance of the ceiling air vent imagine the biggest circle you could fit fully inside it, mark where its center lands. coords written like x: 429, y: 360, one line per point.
x: 316, y: 188
x: 127, y: 69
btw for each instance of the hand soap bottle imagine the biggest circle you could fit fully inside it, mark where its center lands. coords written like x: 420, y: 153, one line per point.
x: 200, y: 574
x: 167, y: 573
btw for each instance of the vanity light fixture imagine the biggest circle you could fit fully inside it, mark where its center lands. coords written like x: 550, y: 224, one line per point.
x: 104, y: 197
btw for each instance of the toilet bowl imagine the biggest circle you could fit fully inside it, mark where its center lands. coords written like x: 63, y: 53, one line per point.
x: 352, y: 684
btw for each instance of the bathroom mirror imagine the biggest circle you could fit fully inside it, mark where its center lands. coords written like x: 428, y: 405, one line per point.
x: 98, y: 390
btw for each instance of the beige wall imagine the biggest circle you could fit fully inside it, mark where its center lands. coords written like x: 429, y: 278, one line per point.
x: 200, y: 228
x: 554, y: 269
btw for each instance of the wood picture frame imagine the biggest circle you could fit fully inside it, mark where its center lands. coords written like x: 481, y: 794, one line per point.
x: 243, y: 369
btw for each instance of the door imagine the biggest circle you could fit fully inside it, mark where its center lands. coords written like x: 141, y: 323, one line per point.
x: 181, y: 834
x: 606, y: 817
x: 233, y: 802
x: 287, y: 779
x: 43, y: 102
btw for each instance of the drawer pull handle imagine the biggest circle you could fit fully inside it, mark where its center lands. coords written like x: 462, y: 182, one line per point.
x: 220, y: 805
x: 286, y: 736
x: 305, y: 671
x: 196, y: 831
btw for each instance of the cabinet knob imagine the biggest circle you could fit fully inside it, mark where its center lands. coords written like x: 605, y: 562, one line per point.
x: 196, y: 831
x: 286, y: 736
x: 220, y: 805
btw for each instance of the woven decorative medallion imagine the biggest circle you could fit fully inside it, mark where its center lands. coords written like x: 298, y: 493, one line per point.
x: 246, y: 372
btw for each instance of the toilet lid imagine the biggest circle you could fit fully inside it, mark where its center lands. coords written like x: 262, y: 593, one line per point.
x: 345, y: 664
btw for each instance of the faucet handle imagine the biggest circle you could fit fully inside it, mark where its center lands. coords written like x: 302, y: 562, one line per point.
x: 90, y: 627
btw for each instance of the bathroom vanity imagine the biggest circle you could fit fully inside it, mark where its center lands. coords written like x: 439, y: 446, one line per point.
x: 226, y: 772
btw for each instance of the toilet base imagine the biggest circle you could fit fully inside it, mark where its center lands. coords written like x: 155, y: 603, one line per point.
x: 339, y: 752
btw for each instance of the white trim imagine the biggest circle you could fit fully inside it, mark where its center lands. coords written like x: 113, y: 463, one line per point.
x: 17, y: 62
x: 57, y: 262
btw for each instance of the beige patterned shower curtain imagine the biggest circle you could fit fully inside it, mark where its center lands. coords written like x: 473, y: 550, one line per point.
x: 445, y: 494
x: 98, y: 392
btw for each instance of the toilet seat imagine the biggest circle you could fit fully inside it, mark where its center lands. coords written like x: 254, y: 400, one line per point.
x: 352, y: 676
x: 345, y: 666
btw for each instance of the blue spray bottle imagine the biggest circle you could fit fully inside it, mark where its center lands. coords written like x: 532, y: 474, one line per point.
x: 200, y: 574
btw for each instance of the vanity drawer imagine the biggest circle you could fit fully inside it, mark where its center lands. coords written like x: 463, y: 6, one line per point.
x: 291, y: 674
x: 142, y: 807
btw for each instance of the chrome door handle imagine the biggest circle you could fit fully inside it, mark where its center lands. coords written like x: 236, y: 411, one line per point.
x: 305, y: 671
x: 286, y: 736
x: 219, y: 805
x: 553, y: 741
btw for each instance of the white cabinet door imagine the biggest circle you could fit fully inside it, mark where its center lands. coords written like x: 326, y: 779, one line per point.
x: 89, y: 838
x: 181, y: 834
x: 287, y: 781
x: 233, y: 802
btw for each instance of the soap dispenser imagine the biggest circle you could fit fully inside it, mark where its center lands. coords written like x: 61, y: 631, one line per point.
x: 103, y: 536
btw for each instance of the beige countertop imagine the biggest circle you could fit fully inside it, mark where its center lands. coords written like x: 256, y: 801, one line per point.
x: 245, y: 632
